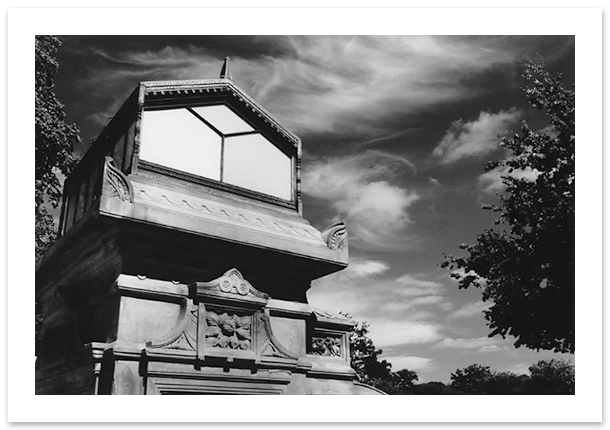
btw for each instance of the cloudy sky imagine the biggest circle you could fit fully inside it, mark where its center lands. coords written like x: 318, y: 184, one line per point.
x: 396, y: 132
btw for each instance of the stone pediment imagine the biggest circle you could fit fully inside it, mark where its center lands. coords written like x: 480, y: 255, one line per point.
x: 230, y: 287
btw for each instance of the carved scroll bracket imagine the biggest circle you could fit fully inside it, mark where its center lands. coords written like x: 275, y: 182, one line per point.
x: 119, y: 183
x: 335, y: 236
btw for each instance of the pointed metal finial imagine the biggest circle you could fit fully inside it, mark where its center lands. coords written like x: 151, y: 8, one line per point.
x: 225, y: 72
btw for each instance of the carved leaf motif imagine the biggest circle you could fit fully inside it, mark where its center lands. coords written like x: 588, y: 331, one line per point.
x: 228, y: 325
x: 223, y: 341
x: 234, y: 342
x: 212, y: 331
x: 228, y: 331
x: 212, y: 319
x: 244, y: 322
x: 121, y: 187
x: 243, y: 333
x: 326, y: 346
x: 244, y: 344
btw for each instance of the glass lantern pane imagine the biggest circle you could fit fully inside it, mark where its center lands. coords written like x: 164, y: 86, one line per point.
x: 176, y: 138
x: 253, y: 162
x: 223, y: 118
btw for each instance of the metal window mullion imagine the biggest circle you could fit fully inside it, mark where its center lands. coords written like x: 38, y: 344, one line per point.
x: 242, y: 133
x: 222, y: 157
x: 218, y: 132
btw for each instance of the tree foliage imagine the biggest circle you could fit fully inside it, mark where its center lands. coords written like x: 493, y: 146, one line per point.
x: 507, y: 383
x: 434, y: 388
x: 547, y: 377
x: 55, y: 141
x: 552, y: 377
x: 472, y: 379
x: 477, y: 379
x: 526, y: 266
x: 364, y: 357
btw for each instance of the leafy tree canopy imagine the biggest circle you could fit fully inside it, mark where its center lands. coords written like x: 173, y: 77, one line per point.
x: 472, y: 379
x: 55, y: 141
x: 526, y: 267
x: 370, y: 370
x: 552, y: 377
x: 547, y: 377
x: 433, y: 388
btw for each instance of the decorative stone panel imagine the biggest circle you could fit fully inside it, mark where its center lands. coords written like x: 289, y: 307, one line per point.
x: 327, y: 346
x: 226, y: 320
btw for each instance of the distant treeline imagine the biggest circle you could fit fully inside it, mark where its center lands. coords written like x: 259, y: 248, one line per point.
x: 546, y: 377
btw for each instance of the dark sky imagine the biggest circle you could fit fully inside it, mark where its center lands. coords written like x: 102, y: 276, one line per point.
x: 396, y: 132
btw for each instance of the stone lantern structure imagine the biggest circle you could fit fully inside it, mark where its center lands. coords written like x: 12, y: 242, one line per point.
x: 183, y: 259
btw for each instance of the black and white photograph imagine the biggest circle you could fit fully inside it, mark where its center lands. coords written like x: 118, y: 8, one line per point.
x: 309, y: 214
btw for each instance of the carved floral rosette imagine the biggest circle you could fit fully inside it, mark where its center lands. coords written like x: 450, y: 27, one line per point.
x: 228, y: 330
x: 234, y: 320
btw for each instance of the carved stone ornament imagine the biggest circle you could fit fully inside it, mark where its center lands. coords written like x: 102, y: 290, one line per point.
x: 232, y: 283
x: 225, y: 213
x: 226, y: 330
x: 121, y: 186
x: 329, y: 346
x: 184, y: 334
x: 226, y: 319
x: 271, y: 347
x: 335, y: 236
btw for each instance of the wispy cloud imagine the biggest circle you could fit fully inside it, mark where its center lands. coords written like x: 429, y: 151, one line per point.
x: 401, y: 332
x: 480, y: 344
x: 411, y: 286
x: 354, y: 83
x: 367, y: 267
x: 363, y: 289
x: 475, y: 138
x: 395, y: 318
x: 358, y: 188
x: 470, y: 310
x: 340, y: 84
x: 348, y: 290
x: 411, y: 362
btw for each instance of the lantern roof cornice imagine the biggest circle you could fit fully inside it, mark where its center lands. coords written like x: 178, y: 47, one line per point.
x: 195, y: 87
